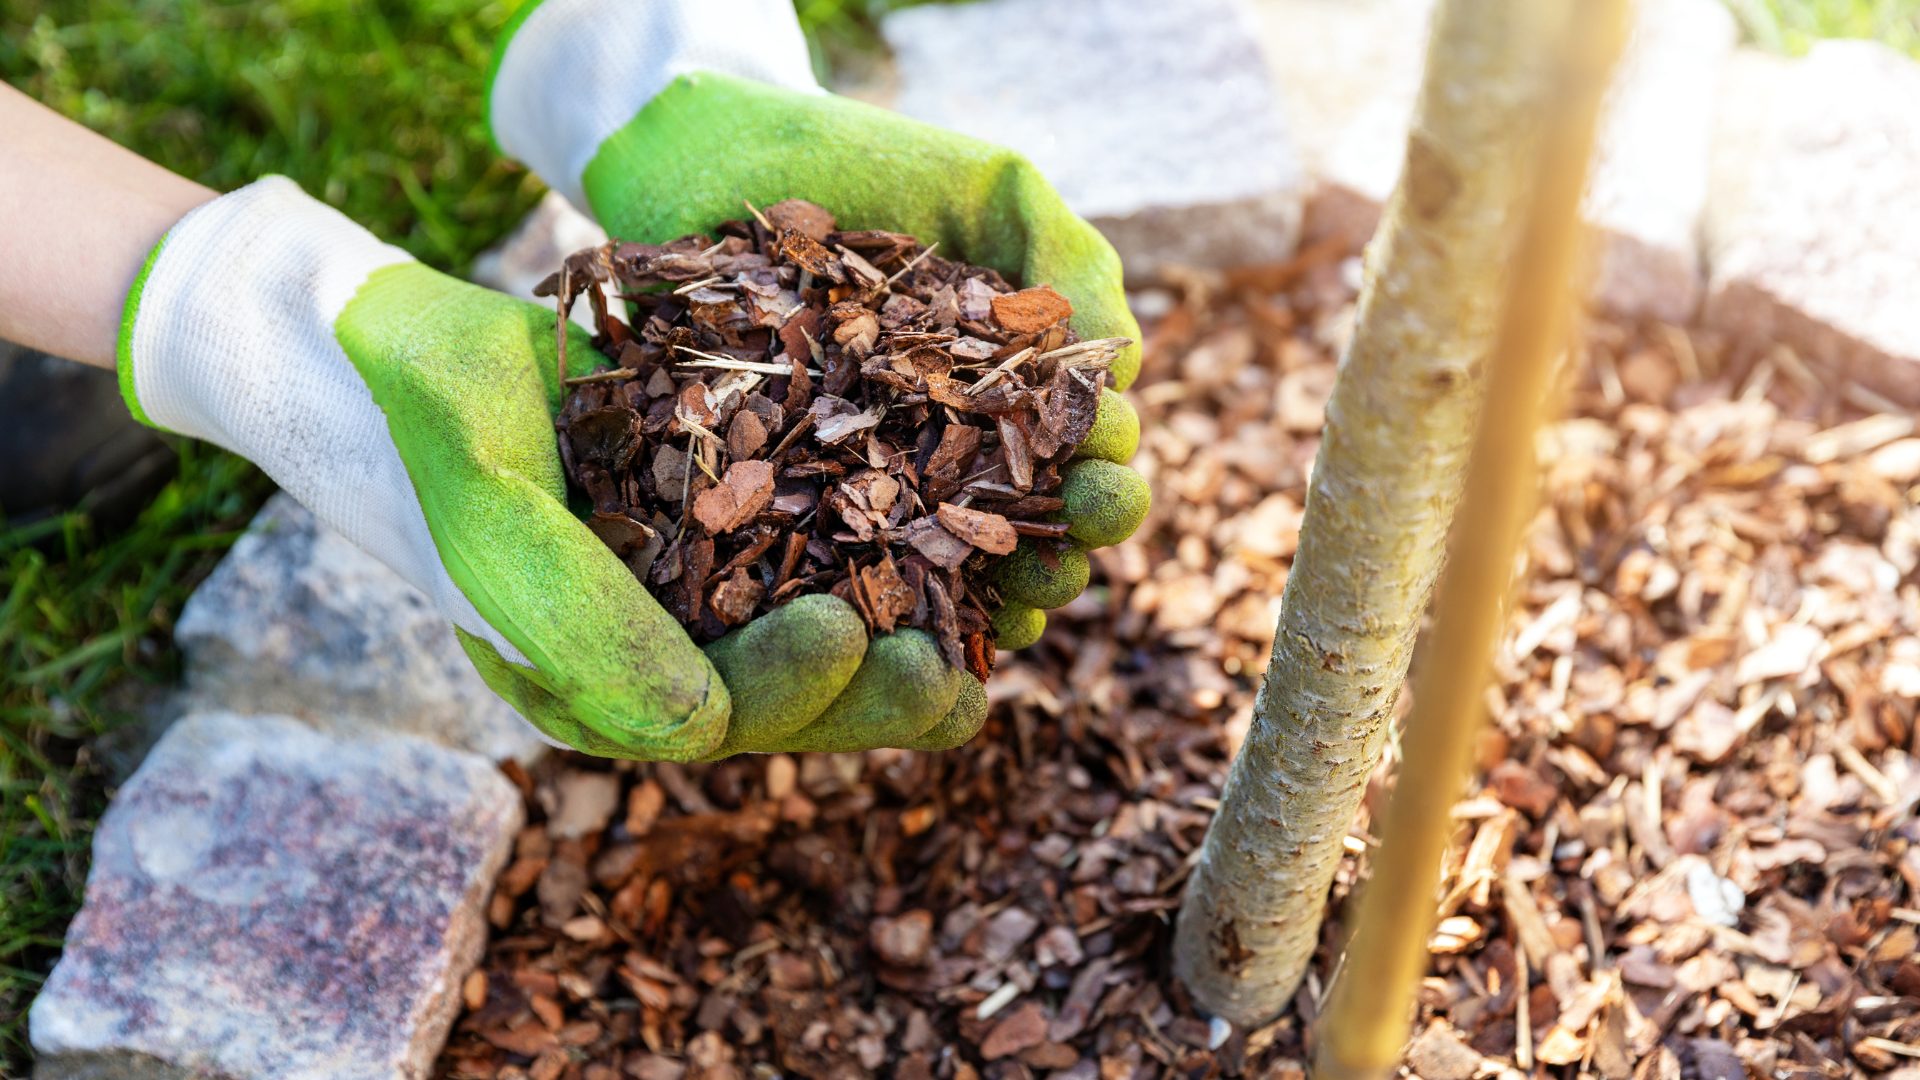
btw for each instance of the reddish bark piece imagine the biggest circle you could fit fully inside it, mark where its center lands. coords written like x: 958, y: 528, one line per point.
x: 904, y: 941
x: 798, y: 334
x: 886, y: 596
x: 980, y: 655
x: 865, y: 274
x: 1024, y: 1027
x: 735, y: 598
x: 1082, y: 996
x: 1521, y: 788
x: 693, y: 402
x: 741, y: 494
x: 1027, y: 507
x: 620, y: 532
x: 944, y: 621
x: 805, y: 252
x: 808, y: 219
x: 1030, y: 311
x: 1013, y: 441
x: 958, y: 444
x: 989, y: 532
x: 745, y: 436
x: 940, y: 546
x: 697, y: 563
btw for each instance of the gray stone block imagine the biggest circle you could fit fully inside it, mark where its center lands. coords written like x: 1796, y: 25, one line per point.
x: 1350, y: 73
x: 297, y: 620
x: 1156, y: 119
x: 270, y: 901
x: 1813, y: 227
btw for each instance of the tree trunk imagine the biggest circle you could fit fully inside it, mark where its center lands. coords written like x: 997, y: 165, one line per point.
x: 1388, y: 475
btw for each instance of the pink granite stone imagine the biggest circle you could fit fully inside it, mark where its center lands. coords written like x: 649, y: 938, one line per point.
x: 267, y: 900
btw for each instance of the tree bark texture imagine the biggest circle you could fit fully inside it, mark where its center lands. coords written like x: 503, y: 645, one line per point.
x: 1385, y: 483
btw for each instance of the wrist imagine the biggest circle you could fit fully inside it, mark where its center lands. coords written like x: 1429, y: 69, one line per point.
x: 228, y: 336
x: 571, y: 73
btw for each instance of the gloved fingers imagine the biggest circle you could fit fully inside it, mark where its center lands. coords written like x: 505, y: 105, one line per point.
x: 784, y: 668
x: 969, y: 712
x: 461, y: 375
x: 904, y: 688
x: 1016, y: 626
x: 1105, y: 502
x: 1024, y: 576
x: 1115, y: 435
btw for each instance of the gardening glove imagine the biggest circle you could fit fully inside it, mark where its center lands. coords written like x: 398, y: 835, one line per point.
x: 413, y: 413
x: 662, y: 117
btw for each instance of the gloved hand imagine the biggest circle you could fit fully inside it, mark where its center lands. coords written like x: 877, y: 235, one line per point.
x: 662, y: 117
x: 413, y: 413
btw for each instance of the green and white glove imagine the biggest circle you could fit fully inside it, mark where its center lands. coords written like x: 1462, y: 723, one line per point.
x: 413, y: 413
x: 661, y: 117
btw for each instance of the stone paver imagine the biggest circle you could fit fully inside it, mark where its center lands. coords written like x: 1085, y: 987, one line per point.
x: 297, y: 620
x: 1156, y: 119
x: 270, y: 901
x: 1813, y: 227
x: 1349, y: 71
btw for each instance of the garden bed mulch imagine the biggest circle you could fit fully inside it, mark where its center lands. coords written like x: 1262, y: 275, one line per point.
x: 1696, y: 815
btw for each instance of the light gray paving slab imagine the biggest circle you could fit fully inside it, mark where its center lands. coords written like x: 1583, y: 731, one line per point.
x: 1155, y: 119
x: 1813, y: 227
x: 1349, y: 72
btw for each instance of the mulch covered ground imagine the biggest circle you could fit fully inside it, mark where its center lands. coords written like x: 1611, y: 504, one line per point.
x: 1696, y: 817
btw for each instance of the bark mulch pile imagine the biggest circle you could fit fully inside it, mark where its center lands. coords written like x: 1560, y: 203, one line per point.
x: 1696, y: 817
x: 731, y: 483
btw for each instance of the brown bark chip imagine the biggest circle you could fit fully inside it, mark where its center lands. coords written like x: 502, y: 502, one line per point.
x: 734, y: 599
x: 887, y: 597
x: 1023, y: 1028
x: 808, y: 219
x: 988, y: 532
x: 795, y: 412
x: 743, y: 492
x: 1030, y: 311
x: 745, y: 436
x: 940, y: 546
x: 904, y: 941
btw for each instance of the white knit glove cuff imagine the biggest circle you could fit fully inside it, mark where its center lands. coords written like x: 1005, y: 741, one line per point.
x: 576, y: 71
x: 232, y: 341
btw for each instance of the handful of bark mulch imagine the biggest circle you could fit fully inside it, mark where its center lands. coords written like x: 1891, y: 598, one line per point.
x: 797, y: 409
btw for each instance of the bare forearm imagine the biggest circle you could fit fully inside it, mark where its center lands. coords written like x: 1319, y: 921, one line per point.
x: 78, y: 215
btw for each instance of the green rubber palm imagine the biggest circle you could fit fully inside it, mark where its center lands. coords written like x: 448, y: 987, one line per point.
x: 683, y: 165
x: 468, y: 381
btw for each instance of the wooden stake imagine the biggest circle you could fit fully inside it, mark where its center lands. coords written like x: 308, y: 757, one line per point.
x: 1365, y: 1025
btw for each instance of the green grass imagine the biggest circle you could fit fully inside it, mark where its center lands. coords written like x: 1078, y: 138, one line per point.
x: 1792, y: 26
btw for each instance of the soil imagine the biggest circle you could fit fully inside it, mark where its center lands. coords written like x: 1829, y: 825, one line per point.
x: 1695, y: 817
